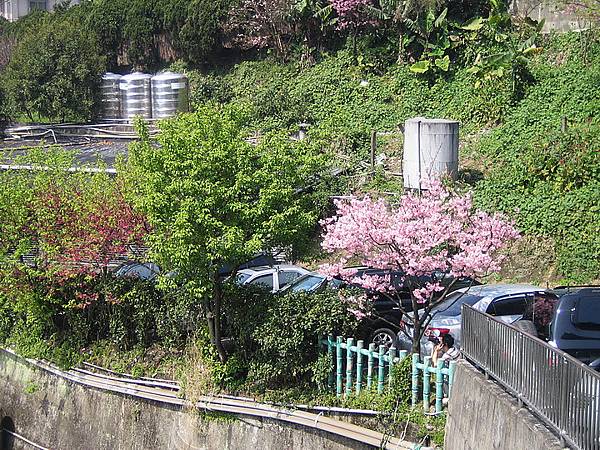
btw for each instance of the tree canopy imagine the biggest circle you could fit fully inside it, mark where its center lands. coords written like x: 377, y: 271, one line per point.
x: 214, y: 200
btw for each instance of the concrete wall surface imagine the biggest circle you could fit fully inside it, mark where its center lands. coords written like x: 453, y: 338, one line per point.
x: 57, y: 414
x: 483, y: 416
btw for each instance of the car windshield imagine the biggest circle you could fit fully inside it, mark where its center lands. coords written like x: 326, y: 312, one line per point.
x: 451, y: 306
x: 306, y: 283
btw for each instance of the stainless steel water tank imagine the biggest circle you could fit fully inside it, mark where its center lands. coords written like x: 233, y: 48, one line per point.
x: 430, y: 150
x: 110, y: 96
x: 170, y: 94
x: 136, y: 96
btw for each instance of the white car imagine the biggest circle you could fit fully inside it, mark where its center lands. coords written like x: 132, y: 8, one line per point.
x: 273, y: 278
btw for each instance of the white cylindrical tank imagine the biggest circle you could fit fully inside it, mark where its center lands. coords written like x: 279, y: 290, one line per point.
x: 136, y: 96
x: 110, y: 96
x: 430, y: 150
x: 170, y: 94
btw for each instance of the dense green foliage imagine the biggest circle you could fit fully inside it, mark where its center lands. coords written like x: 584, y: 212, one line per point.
x: 275, y: 336
x: 525, y: 162
x: 55, y: 71
x: 215, y: 200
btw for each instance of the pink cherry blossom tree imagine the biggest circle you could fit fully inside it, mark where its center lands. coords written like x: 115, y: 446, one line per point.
x: 425, y: 236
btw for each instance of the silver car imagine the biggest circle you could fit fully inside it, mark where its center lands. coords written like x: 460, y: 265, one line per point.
x: 508, y: 302
x: 273, y: 278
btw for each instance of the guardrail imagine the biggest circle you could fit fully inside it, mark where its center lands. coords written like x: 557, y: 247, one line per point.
x: 227, y: 404
x: 372, y: 368
x: 561, y: 390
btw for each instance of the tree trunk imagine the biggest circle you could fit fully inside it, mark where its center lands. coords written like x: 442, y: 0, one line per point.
x: 214, y: 320
x: 416, y: 339
x: 400, y: 59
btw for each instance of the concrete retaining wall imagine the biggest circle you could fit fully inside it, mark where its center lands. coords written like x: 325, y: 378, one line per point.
x: 58, y: 414
x: 482, y: 416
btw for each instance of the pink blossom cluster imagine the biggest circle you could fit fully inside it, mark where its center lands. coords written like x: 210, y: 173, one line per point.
x: 436, y: 231
x: 352, y: 13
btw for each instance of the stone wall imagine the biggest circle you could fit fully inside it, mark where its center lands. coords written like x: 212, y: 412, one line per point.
x: 58, y: 414
x: 483, y: 416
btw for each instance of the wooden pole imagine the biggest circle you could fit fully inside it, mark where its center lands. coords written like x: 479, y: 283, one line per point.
x: 338, y: 368
x: 380, y: 369
x: 349, y: 344
x: 370, y: 366
x: 373, y: 148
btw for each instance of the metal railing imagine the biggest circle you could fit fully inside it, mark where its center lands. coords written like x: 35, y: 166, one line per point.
x: 561, y: 390
x: 356, y: 368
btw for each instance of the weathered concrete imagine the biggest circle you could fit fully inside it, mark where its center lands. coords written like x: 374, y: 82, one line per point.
x: 58, y: 414
x: 482, y: 416
x: 555, y: 18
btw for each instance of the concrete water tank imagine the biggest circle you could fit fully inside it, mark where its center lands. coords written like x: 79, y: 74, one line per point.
x: 110, y: 96
x: 430, y: 150
x: 136, y: 96
x: 170, y: 94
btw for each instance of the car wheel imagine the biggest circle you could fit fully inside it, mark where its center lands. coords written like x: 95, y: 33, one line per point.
x: 526, y: 326
x: 384, y: 336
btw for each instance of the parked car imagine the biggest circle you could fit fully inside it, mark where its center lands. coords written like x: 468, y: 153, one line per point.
x: 273, y: 278
x: 511, y: 303
x: 143, y: 271
x: 381, y: 327
x: 575, y: 325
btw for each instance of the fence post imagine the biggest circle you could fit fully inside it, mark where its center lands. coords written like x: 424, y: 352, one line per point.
x: 415, y: 379
x: 359, y: 368
x: 349, y: 344
x: 380, y: 369
x: 338, y: 368
x: 439, y: 386
x: 451, y: 371
x: 370, y: 366
x: 330, y: 342
x: 426, y: 376
x: 392, y: 356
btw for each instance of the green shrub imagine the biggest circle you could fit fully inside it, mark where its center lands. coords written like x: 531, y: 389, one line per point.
x: 275, y: 336
x: 55, y: 71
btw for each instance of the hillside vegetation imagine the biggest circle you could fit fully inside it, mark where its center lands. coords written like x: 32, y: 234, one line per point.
x: 513, y: 151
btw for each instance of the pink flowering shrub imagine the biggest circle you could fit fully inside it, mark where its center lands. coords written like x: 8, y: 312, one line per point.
x: 423, y: 236
x: 352, y: 13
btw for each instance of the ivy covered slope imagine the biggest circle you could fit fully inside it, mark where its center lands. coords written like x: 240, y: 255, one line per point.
x: 512, y: 148
x: 547, y: 179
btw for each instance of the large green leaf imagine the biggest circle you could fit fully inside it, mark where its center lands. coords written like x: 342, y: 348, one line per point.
x: 443, y: 63
x: 474, y: 24
x: 420, y: 66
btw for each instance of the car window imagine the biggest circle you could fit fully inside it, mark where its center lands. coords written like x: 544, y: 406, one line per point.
x: 512, y: 306
x: 286, y: 277
x: 241, y: 278
x: 451, y: 306
x: 307, y: 283
x: 587, y: 313
x: 265, y: 281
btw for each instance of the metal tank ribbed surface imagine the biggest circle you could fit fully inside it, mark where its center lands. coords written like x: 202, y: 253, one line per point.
x: 136, y: 96
x: 430, y: 150
x: 170, y: 94
x: 110, y: 96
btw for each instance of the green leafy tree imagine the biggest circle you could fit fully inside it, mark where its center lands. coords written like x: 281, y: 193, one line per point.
x: 55, y: 71
x: 215, y: 200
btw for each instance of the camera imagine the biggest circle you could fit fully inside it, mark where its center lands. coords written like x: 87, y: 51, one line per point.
x: 434, y: 336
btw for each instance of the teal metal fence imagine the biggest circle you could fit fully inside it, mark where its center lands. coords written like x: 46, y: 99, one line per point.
x: 357, y: 368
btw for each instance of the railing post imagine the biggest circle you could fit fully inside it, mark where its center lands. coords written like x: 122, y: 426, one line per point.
x: 426, y: 376
x: 359, y: 366
x: 439, y: 386
x: 349, y: 344
x: 391, y: 356
x: 451, y: 371
x: 415, y: 379
x: 370, y: 366
x: 330, y: 342
x: 380, y: 369
x: 338, y: 368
